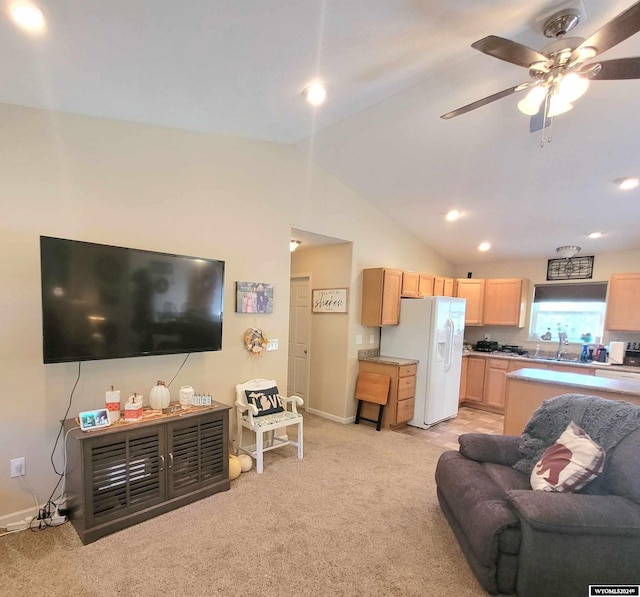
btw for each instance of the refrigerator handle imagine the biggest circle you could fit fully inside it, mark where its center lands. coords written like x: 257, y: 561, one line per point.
x: 449, y: 356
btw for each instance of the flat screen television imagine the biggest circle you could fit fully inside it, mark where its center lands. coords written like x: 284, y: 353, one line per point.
x: 105, y: 302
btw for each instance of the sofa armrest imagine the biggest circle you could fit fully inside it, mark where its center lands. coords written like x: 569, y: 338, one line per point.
x: 575, y: 513
x: 483, y: 447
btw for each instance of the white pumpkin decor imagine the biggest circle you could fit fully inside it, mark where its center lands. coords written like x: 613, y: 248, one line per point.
x: 159, y: 396
x: 246, y: 462
x: 234, y: 467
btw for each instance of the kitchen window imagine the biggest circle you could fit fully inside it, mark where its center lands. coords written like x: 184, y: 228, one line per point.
x: 576, y: 309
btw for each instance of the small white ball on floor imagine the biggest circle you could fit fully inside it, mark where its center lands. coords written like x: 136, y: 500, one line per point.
x: 235, y: 468
x: 246, y: 462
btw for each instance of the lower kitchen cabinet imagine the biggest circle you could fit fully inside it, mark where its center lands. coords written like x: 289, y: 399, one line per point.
x: 495, y: 384
x: 475, y: 380
x: 128, y: 473
x: 399, y: 408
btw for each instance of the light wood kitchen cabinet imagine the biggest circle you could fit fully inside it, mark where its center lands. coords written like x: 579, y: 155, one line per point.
x: 416, y: 285
x: 569, y: 369
x: 443, y: 286
x: 622, y: 303
x: 463, y: 378
x: 381, y: 289
x: 505, y: 302
x: 475, y: 380
x: 399, y: 408
x: 471, y: 289
x: 495, y: 384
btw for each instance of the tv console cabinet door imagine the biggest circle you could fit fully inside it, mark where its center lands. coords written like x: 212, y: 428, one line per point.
x: 196, y: 455
x: 123, y: 473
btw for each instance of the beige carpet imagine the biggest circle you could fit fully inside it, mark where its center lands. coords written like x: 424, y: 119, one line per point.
x: 358, y: 517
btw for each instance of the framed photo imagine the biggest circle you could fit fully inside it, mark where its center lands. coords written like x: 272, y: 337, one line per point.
x: 254, y: 297
x: 330, y: 300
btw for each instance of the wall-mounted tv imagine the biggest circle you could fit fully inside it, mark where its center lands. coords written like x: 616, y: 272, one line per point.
x: 105, y: 302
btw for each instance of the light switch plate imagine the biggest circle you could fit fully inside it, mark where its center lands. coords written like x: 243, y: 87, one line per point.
x: 273, y: 344
x: 359, y: 339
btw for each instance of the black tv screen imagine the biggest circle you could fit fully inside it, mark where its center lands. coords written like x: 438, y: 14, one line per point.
x: 104, y: 302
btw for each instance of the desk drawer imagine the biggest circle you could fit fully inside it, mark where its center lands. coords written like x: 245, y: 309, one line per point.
x: 405, y: 410
x: 406, y: 387
x: 407, y: 370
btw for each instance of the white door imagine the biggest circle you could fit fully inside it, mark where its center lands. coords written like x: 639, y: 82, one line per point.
x: 299, y: 330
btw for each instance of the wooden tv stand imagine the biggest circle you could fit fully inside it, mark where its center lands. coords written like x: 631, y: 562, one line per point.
x: 130, y: 472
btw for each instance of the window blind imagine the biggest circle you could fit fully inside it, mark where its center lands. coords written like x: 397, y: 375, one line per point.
x: 590, y: 292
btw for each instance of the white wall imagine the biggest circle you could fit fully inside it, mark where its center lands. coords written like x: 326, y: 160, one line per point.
x: 170, y: 191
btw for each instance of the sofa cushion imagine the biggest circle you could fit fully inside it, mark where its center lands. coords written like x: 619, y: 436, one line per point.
x: 569, y: 464
x: 606, y: 421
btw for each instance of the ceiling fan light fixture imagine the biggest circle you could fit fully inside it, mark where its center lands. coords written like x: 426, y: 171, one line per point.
x: 558, y: 105
x: 586, y: 53
x: 530, y: 104
x: 572, y: 87
x: 568, y: 251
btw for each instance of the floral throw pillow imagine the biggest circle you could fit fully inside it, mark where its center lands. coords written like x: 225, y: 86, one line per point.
x: 572, y: 462
x: 266, y: 401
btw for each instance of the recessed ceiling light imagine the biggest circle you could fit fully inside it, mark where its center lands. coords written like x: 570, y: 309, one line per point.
x: 627, y: 183
x: 595, y: 234
x: 453, y: 215
x: 315, y: 93
x: 484, y: 247
x: 27, y: 16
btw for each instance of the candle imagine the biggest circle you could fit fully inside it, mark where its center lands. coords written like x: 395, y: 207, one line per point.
x: 112, y: 400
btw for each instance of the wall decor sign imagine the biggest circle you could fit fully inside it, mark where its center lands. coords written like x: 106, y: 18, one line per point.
x: 574, y: 268
x: 330, y: 300
x: 254, y: 297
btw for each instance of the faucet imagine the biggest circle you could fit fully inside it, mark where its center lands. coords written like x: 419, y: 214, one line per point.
x: 563, y: 339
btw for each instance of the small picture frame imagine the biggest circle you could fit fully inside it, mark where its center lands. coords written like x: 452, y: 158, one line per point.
x: 254, y: 297
x: 330, y: 300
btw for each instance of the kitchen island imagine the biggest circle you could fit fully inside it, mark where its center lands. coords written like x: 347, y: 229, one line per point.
x: 527, y: 388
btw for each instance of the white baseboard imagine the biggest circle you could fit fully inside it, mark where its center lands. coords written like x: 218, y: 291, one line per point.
x: 324, y: 415
x: 17, y: 516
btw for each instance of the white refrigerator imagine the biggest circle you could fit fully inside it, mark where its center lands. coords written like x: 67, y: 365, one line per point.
x: 431, y: 330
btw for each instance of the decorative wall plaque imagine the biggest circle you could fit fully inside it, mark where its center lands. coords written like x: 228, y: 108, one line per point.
x: 575, y: 268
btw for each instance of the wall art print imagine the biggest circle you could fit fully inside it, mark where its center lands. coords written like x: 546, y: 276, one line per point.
x: 254, y: 297
x: 330, y: 300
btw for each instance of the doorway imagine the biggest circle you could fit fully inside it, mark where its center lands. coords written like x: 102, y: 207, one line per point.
x: 299, y: 337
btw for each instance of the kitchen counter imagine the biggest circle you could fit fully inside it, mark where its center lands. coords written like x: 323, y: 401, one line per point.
x: 528, y: 388
x: 387, y: 360
x: 566, y: 362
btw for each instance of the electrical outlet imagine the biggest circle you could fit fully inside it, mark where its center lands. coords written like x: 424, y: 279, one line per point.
x: 359, y: 339
x: 372, y: 339
x: 18, y: 467
x: 487, y: 336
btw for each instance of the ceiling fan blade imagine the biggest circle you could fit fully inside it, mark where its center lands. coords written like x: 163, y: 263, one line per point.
x: 487, y: 100
x: 537, y: 121
x: 620, y: 68
x: 626, y: 24
x: 509, y: 51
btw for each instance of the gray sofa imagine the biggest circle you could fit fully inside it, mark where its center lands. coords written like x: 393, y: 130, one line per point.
x: 533, y: 543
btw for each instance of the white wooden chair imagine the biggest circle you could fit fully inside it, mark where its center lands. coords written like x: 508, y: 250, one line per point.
x: 263, y: 412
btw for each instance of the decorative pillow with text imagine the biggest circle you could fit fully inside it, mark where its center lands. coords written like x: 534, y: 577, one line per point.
x: 266, y: 401
x: 572, y: 462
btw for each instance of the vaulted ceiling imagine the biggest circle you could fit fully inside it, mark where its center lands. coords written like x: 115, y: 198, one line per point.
x: 392, y: 67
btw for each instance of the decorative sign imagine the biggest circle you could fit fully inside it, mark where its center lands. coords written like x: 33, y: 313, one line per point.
x: 575, y: 268
x: 330, y: 300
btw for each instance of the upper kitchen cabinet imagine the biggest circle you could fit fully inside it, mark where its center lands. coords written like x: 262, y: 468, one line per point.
x: 416, y: 285
x: 505, y: 302
x: 443, y: 286
x: 471, y: 289
x: 622, y: 303
x: 381, y: 290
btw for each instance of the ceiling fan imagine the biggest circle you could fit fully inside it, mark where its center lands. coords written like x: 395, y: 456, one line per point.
x: 560, y: 73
